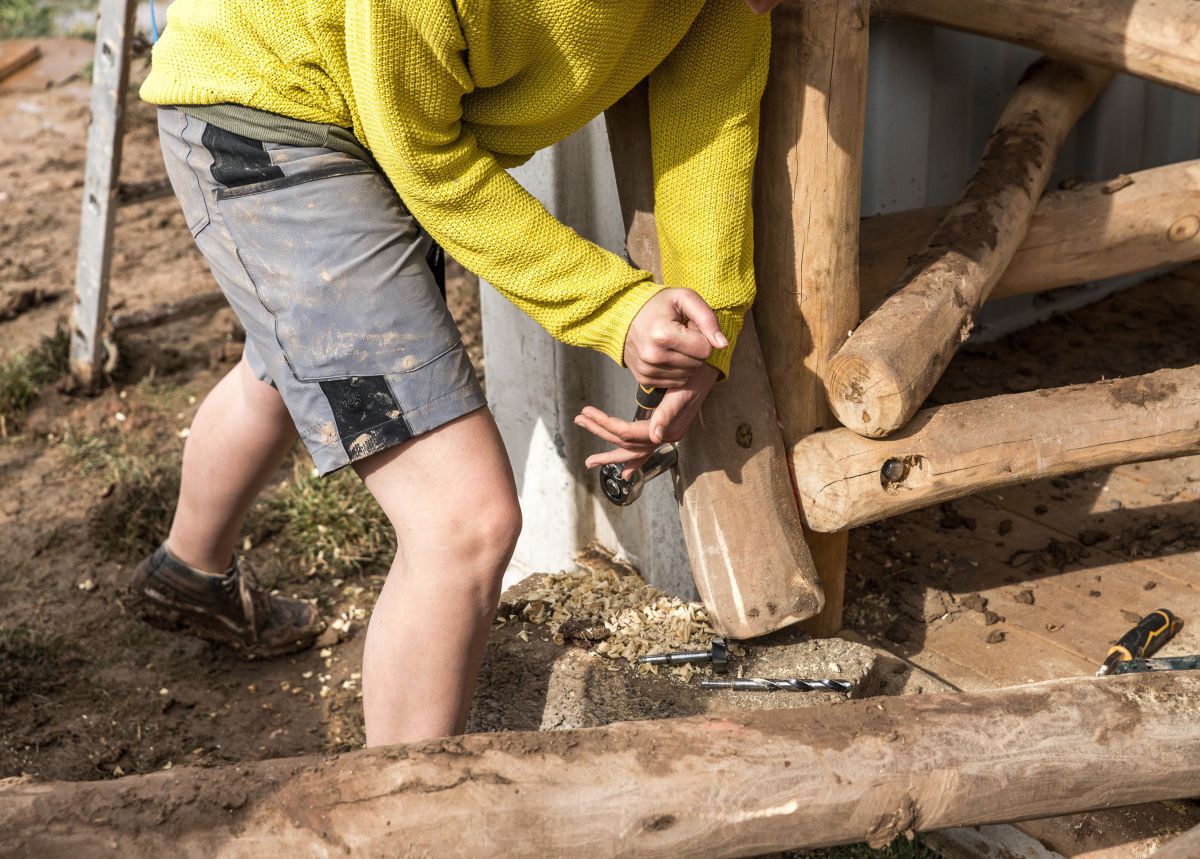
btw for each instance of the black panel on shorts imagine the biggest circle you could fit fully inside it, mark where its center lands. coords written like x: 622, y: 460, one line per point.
x: 367, y: 416
x: 237, y: 160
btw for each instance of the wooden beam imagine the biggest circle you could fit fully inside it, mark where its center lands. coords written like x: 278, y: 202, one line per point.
x: 1089, y: 232
x: 1149, y: 38
x: 16, y: 55
x: 743, y: 784
x: 110, y: 77
x: 950, y: 451
x: 806, y: 206
x: 740, y: 517
x: 883, y: 373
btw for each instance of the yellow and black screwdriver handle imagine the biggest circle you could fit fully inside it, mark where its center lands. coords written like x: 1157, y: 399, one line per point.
x: 1151, y: 633
x: 623, y: 491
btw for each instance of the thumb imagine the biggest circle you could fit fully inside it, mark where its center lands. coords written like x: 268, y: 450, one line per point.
x: 697, y: 311
x: 668, y: 410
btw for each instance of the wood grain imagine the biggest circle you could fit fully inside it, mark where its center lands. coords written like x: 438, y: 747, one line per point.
x: 807, y: 196
x: 1083, y: 234
x: 955, y: 450
x: 1154, y: 39
x: 734, y: 785
x: 884, y: 372
x: 740, y: 518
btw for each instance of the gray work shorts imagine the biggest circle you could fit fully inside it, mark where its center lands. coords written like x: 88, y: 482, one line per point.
x: 334, y: 282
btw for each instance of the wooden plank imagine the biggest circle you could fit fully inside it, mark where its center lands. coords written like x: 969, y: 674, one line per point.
x: 1086, y: 233
x: 61, y: 60
x: 740, y: 519
x: 882, y: 375
x: 706, y: 786
x: 807, y: 193
x: 15, y: 56
x: 110, y: 78
x: 1148, y: 38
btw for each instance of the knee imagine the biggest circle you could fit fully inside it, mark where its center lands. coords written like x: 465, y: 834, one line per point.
x: 482, y: 543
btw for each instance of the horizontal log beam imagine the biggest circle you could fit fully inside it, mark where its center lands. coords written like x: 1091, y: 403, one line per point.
x: 950, y: 451
x: 882, y: 374
x: 1090, y: 232
x: 741, y: 784
x: 1153, y: 39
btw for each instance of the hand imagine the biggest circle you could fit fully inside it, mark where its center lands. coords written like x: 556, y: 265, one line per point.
x: 671, y: 337
x: 636, y: 440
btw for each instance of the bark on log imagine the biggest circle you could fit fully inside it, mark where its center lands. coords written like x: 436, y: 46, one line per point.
x: 171, y: 311
x: 884, y: 372
x: 740, y: 516
x: 741, y: 784
x: 806, y: 206
x: 951, y: 451
x: 1153, y: 39
x: 1185, y: 846
x: 1089, y: 232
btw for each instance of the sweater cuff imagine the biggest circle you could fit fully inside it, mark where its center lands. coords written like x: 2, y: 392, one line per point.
x: 730, y: 322
x: 614, y: 325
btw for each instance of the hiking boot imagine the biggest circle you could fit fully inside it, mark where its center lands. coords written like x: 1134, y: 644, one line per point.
x: 230, y: 609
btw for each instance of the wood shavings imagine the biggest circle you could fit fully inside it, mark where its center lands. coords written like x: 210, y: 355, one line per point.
x: 616, y: 615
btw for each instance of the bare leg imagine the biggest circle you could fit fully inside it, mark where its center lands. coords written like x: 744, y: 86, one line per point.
x: 451, y: 497
x: 241, y: 433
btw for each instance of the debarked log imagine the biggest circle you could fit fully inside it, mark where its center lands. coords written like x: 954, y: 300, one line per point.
x: 883, y: 373
x: 1154, y: 39
x: 1089, y: 232
x: 955, y: 450
x: 742, y: 784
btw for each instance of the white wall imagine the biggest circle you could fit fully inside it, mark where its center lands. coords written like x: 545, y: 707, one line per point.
x: 933, y: 97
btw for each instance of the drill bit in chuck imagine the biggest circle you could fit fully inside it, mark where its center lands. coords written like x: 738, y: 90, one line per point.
x: 762, y: 684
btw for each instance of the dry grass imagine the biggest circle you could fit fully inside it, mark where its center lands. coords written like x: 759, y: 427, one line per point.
x: 23, y: 374
x: 328, y: 525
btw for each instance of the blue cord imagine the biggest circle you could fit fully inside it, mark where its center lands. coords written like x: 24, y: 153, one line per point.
x: 153, y: 25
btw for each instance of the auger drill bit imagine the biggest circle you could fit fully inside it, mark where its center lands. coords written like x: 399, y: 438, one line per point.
x: 762, y: 684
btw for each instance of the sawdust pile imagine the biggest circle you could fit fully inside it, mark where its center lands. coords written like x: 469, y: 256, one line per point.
x: 614, y: 614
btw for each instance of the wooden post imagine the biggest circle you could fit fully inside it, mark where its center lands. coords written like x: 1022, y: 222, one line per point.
x: 883, y: 373
x: 806, y: 208
x: 110, y: 77
x: 740, y: 517
x: 1153, y: 39
x: 744, y: 784
x: 950, y: 451
x: 1090, y: 232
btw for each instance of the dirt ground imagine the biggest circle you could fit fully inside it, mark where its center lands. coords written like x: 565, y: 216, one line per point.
x: 88, y: 692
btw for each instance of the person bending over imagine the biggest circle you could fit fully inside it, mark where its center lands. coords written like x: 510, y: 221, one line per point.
x: 324, y: 152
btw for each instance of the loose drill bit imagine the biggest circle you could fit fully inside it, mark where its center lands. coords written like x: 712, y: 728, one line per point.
x: 718, y: 655
x: 762, y: 684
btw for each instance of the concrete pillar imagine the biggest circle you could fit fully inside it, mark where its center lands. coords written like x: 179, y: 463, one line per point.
x: 536, y: 386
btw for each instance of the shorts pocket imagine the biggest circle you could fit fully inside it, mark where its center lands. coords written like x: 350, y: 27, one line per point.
x: 177, y: 153
x: 340, y: 266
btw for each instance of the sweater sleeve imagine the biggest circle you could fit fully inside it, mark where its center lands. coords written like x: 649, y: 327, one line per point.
x: 409, y: 75
x: 704, y: 105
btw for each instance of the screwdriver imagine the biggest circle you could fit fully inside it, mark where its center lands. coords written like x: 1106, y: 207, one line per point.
x: 1151, y: 633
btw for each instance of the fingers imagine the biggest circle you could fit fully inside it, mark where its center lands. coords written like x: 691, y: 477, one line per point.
x: 614, y: 430
x: 630, y: 459
x: 673, y: 405
x: 694, y: 308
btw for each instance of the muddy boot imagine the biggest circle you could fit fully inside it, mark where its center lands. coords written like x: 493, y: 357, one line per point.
x: 230, y: 609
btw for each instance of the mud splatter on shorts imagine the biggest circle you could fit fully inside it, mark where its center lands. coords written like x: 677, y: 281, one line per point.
x: 338, y: 287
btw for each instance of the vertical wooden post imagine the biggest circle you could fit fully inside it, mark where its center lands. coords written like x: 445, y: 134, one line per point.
x: 807, y: 191
x: 110, y: 77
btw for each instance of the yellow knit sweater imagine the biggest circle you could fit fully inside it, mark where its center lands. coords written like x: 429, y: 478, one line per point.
x: 447, y: 93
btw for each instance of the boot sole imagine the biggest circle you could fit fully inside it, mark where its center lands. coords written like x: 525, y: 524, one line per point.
x: 171, y: 619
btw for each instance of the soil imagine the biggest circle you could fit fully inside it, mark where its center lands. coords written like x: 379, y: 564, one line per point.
x: 89, y: 692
